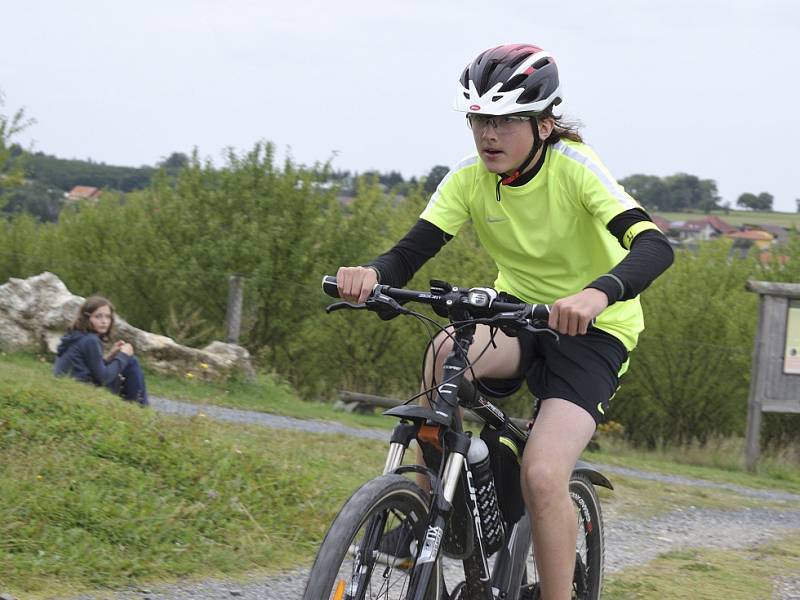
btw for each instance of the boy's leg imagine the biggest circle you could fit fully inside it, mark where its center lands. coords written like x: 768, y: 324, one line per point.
x: 497, y: 361
x: 560, y: 433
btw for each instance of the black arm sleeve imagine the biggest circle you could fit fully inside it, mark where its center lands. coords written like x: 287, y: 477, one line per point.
x: 649, y: 256
x: 397, y: 266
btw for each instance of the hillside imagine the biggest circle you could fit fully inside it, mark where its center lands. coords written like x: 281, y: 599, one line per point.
x: 97, y: 492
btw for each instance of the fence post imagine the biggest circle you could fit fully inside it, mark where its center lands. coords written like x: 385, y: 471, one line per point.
x: 233, y: 314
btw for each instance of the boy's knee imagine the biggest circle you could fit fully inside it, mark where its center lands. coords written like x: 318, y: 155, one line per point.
x: 437, y: 351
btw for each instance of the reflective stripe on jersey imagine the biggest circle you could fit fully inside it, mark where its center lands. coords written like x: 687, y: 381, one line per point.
x: 596, y: 167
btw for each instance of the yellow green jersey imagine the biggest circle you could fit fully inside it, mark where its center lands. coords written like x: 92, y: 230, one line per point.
x: 548, y: 236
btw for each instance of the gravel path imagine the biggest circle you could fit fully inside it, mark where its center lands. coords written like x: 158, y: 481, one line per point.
x: 629, y: 542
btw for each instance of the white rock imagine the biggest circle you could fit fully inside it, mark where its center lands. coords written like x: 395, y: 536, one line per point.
x: 36, y: 312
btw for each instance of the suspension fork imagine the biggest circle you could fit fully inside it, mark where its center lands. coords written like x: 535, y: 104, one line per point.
x: 457, y: 445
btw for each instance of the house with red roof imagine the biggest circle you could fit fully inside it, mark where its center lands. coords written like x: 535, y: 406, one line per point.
x: 758, y: 237
x: 701, y: 229
x: 83, y: 192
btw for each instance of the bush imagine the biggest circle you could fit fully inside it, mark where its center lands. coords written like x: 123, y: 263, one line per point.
x: 689, y: 376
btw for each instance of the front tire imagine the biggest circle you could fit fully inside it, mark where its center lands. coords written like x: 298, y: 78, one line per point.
x: 349, y: 563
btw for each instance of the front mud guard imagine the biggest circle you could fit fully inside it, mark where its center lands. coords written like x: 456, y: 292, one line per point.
x: 595, y: 476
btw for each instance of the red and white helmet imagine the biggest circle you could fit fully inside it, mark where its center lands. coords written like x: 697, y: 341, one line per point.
x: 514, y: 78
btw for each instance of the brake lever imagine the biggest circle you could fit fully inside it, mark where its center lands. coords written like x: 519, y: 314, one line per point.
x: 386, y: 308
x: 344, y: 305
x: 533, y: 329
x: 520, y: 322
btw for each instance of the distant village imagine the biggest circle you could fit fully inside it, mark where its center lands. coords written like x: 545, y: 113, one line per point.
x: 687, y: 233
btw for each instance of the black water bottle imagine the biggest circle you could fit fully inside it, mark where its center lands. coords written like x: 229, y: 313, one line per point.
x: 492, y: 524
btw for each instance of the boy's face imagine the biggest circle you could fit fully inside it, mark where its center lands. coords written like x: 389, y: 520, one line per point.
x: 503, y: 143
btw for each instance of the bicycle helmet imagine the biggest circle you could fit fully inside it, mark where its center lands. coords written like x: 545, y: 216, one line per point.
x: 509, y: 79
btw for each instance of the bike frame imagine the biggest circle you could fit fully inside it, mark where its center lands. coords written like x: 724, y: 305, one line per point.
x: 440, y: 427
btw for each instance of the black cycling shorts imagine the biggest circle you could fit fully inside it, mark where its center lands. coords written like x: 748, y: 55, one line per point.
x: 582, y: 369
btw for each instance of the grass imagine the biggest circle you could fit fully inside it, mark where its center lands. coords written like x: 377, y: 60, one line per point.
x: 722, y: 462
x: 746, y: 574
x: 100, y: 493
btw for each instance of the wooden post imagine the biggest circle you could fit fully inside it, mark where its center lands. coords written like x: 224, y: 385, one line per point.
x: 233, y: 315
x: 753, y: 430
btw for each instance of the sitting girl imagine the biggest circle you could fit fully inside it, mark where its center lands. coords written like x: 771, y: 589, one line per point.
x: 80, y: 353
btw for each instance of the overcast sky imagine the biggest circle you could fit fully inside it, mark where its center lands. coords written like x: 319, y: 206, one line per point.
x: 700, y: 86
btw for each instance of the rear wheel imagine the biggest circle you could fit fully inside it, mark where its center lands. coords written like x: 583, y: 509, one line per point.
x: 350, y: 563
x: 589, y: 546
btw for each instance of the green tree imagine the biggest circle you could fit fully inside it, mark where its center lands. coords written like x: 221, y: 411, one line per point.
x: 690, y: 192
x: 434, y: 178
x: 176, y: 160
x: 10, y: 126
x: 765, y: 200
x: 761, y: 202
x: 747, y: 200
x: 33, y: 198
x: 650, y: 191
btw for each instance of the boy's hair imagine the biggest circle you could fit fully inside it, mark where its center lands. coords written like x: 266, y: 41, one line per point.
x: 91, y: 304
x: 563, y: 129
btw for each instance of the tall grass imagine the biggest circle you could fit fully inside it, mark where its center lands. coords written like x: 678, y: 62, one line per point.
x: 720, y: 459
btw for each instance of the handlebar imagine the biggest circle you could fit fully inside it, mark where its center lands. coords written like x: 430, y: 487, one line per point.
x: 447, y: 300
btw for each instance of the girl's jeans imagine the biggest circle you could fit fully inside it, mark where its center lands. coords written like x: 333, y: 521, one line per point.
x: 130, y: 383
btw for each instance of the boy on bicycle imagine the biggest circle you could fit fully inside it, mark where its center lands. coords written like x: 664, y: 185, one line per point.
x: 562, y: 232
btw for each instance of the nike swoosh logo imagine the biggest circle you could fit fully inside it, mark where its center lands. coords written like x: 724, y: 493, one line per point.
x: 600, y: 408
x: 496, y: 219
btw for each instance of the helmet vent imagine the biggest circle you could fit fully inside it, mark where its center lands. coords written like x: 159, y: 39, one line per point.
x: 513, y: 83
x: 530, y: 94
x: 486, y: 76
x: 541, y: 63
x: 512, y: 64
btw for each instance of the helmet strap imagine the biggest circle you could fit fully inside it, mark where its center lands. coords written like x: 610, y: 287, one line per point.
x: 506, y: 179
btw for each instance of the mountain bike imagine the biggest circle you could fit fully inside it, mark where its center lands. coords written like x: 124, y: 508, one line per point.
x: 464, y: 516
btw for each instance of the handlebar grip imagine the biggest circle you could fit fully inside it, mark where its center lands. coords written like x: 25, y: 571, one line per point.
x: 540, y: 312
x: 329, y: 286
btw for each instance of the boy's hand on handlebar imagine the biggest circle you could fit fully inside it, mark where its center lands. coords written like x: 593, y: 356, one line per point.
x: 573, y: 314
x: 355, y: 283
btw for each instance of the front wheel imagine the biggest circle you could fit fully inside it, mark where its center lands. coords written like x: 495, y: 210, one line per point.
x: 589, y: 546
x: 353, y: 563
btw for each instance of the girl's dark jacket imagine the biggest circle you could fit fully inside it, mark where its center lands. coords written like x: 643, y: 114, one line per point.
x: 80, y: 355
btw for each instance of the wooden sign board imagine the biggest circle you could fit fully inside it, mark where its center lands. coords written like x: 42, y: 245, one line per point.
x: 775, y: 380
